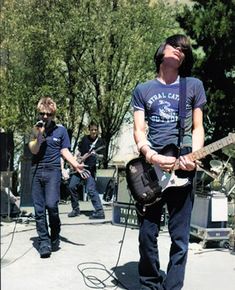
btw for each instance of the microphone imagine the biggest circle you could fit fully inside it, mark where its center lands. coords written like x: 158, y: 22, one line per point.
x: 40, y: 124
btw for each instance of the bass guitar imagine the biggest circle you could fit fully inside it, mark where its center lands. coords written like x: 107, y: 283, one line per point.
x: 148, y: 182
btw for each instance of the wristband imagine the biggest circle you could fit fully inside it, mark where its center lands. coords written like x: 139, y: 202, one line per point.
x: 150, y: 154
x: 141, y: 144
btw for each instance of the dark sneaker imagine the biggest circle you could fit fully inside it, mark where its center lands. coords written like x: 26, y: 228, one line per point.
x: 97, y: 215
x: 45, y: 251
x: 55, y: 245
x: 74, y: 212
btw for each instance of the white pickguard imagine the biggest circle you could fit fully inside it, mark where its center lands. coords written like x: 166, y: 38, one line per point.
x: 166, y: 180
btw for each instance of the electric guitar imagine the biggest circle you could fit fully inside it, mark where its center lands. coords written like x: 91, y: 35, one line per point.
x: 148, y: 182
x: 92, y: 151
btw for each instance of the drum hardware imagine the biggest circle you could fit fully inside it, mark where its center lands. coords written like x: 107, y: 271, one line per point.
x: 211, y: 174
x: 229, y: 186
x: 229, y: 151
x: 216, y: 166
x: 206, y: 177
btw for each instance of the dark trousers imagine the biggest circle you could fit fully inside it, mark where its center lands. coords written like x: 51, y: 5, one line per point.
x: 46, y: 195
x: 75, y: 181
x: 179, y: 204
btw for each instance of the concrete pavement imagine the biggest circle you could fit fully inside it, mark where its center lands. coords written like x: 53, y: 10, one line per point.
x: 92, y: 251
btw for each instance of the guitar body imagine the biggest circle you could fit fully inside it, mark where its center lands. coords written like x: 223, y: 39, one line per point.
x: 142, y: 181
x: 147, y: 182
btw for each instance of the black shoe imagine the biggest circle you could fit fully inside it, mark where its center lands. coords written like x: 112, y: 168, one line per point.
x: 97, y: 215
x: 74, y: 212
x: 55, y: 244
x: 45, y: 251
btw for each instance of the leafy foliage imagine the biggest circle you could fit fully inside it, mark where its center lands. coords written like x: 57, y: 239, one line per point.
x: 88, y: 55
x: 211, y: 25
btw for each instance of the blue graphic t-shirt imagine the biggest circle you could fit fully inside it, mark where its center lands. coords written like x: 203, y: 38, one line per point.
x: 160, y: 102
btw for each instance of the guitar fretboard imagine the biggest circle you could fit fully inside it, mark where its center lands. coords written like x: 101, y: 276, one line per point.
x: 215, y: 146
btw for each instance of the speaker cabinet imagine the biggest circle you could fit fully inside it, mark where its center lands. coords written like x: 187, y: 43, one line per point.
x: 103, y: 176
x: 123, y: 195
x: 26, y: 178
x: 26, y: 182
x: 203, y: 208
x: 6, y: 151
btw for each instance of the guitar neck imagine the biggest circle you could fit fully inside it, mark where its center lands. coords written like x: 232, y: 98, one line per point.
x: 215, y: 146
x: 84, y: 157
x: 91, y: 152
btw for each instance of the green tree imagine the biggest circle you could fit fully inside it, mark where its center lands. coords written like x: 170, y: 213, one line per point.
x: 211, y: 25
x: 109, y: 50
x: 88, y: 55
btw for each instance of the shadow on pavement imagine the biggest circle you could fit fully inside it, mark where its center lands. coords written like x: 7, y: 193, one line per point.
x: 128, y: 277
x: 65, y: 240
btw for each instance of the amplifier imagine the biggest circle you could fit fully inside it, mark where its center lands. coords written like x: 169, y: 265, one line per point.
x: 126, y: 214
x: 103, y: 176
x: 123, y: 195
x: 210, y: 211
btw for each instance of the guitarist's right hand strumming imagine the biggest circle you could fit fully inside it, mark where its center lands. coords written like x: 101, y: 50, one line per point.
x: 166, y: 163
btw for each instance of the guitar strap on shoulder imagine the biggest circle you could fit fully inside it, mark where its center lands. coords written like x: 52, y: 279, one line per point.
x: 182, y: 110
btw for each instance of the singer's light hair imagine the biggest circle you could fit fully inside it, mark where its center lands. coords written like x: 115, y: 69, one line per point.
x: 46, y: 104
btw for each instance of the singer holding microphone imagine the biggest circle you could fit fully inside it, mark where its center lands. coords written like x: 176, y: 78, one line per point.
x: 48, y: 143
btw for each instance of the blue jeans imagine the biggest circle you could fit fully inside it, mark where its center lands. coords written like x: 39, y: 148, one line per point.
x: 74, y: 183
x: 46, y: 195
x: 179, y: 204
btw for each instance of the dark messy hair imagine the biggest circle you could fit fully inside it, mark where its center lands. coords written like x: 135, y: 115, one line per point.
x: 93, y: 123
x: 177, y: 40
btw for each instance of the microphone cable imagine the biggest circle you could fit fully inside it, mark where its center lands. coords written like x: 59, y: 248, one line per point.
x: 94, y: 282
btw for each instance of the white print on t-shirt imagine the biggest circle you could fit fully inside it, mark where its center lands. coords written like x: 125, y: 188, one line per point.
x: 165, y: 112
x: 161, y: 96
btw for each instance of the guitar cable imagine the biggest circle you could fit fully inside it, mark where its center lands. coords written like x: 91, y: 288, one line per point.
x: 94, y: 281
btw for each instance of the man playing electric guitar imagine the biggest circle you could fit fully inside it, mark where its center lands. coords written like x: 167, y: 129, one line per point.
x: 157, y: 101
x: 85, y: 148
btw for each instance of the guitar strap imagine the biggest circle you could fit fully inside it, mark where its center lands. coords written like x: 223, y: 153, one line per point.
x: 182, y: 111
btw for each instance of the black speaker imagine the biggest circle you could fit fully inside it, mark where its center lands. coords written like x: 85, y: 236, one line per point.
x: 6, y: 151
x: 103, y: 177
x: 26, y: 182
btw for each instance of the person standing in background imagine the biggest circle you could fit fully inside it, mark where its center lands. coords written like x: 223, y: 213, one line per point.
x: 88, y: 142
